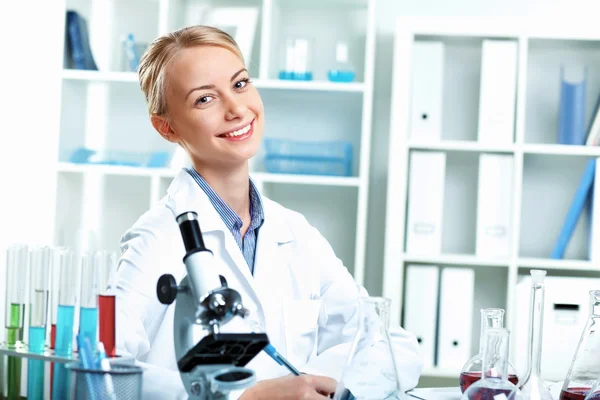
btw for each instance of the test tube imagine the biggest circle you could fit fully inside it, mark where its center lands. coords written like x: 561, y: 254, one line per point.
x: 39, y: 269
x: 67, y: 298
x: 16, y: 281
x: 91, y: 280
x: 106, y: 304
x: 56, y: 257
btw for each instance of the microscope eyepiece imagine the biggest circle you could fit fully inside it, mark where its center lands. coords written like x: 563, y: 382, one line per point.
x: 190, y: 232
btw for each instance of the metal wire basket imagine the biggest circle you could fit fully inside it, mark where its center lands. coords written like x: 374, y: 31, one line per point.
x: 122, y: 382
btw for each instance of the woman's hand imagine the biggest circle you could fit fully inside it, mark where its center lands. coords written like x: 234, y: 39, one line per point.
x: 305, y: 387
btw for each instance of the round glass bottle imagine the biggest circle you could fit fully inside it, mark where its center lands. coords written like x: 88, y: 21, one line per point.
x: 471, y: 371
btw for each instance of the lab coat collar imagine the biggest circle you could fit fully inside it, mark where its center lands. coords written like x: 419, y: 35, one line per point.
x: 186, y: 195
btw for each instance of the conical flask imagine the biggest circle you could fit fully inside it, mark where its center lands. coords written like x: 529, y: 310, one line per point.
x: 585, y: 367
x: 594, y: 393
x: 370, y: 371
x: 471, y: 372
x: 495, y: 384
x: 531, y: 384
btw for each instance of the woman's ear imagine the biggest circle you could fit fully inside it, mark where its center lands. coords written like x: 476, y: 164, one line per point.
x: 162, y: 126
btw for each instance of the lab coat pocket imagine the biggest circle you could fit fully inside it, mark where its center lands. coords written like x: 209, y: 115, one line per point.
x: 301, y: 319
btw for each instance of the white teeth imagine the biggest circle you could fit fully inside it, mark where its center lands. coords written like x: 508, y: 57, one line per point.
x: 239, y: 132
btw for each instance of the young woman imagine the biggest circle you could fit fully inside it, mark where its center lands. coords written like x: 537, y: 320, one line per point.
x: 200, y: 96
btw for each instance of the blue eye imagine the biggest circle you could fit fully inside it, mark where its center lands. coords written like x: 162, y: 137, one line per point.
x: 204, y: 100
x: 242, y: 83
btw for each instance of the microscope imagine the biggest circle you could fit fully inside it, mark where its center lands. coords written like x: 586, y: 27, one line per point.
x: 214, y: 366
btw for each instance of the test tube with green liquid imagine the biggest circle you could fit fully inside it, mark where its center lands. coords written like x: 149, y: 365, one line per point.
x: 17, y: 274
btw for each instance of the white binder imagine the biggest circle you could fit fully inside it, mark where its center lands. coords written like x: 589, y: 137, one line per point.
x: 427, y: 91
x: 420, y: 308
x: 566, y: 311
x: 594, y: 247
x: 456, y: 317
x: 425, y: 202
x: 497, y: 91
x: 494, y: 206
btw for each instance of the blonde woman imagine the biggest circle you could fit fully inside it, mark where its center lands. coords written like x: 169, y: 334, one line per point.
x: 200, y: 96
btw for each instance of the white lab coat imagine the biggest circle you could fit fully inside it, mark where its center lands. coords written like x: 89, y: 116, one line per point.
x: 300, y: 295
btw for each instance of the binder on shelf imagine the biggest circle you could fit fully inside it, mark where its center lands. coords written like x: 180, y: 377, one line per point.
x: 593, y: 135
x: 594, y: 217
x: 425, y: 202
x: 420, y: 308
x: 577, y: 205
x: 427, y: 91
x: 566, y: 308
x: 78, y: 50
x: 494, y: 206
x: 497, y: 96
x: 571, y: 117
x: 456, y: 317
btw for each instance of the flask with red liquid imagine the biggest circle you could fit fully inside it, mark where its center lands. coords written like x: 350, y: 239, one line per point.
x: 585, y: 367
x: 494, y: 383
x: 471, y: 371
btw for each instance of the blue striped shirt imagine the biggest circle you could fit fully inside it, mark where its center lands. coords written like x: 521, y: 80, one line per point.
x: 233, y: 221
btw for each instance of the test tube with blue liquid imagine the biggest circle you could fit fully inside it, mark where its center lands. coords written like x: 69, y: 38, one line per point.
x: 91, y: 286
x: 67, y: 298
x: 17, y: 273
x: 39, y: 286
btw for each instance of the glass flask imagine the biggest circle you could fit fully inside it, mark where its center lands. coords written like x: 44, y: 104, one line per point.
x: 471, y: 371
x: 370, y: 370
x: 531, y: 384
x: 594, y: 392
x: 585, y: 367
x: 495, y: 384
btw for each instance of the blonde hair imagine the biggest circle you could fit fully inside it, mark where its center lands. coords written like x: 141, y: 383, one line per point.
x: 161, y: 53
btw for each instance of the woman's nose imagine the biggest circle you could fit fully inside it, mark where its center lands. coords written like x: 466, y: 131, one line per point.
x: 234, y: 108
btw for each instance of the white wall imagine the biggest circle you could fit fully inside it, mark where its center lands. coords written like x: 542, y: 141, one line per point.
x: 29, y: 115
x: 387, y: 10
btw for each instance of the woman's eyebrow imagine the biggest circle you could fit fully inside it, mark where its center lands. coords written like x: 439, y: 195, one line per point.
x: 204, y: 87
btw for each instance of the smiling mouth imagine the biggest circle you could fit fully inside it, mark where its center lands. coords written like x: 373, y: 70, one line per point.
x: 237, y: 133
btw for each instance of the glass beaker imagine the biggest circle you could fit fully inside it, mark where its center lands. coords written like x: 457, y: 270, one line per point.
x: 471, y: 371
x: 370, y: 371
x: 494, y: 369
x: 532, y: 385
x: 585, y: 367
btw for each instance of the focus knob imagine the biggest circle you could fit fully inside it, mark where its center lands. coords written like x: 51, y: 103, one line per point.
x: 166, y: 289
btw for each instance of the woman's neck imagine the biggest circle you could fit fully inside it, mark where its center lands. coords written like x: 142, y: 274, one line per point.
x: 232, y: 185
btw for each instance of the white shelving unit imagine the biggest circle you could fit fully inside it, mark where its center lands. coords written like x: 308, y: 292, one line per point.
x: 105, y: 109
x: 546, y: 175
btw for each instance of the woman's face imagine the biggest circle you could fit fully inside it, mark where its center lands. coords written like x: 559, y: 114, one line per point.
x: 214, y: 110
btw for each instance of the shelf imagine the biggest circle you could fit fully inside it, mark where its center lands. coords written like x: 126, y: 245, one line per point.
x: 132, y: 77
x: 114, y: 170
x: 306, y: 179
x: 170, y: 173
x: 309, y: 85
x: 440, y: 373
x: 565, y: 265
x: 100, y: 76
x: 456, y: 259
x: 461, y: 145
x: 562, y: 149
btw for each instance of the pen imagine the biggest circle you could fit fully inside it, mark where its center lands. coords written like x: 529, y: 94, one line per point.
x: 104, y: 365
x: 270, y: 350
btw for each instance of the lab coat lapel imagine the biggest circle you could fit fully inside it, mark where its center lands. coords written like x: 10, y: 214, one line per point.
x: 186, y: 195
x: 269, y: 265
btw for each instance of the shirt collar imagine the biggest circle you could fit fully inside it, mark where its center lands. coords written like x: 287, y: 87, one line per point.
x: 230, y: 217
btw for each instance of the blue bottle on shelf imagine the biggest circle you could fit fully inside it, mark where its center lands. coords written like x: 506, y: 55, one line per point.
x: 571, y: 124
x: 343, y: 71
